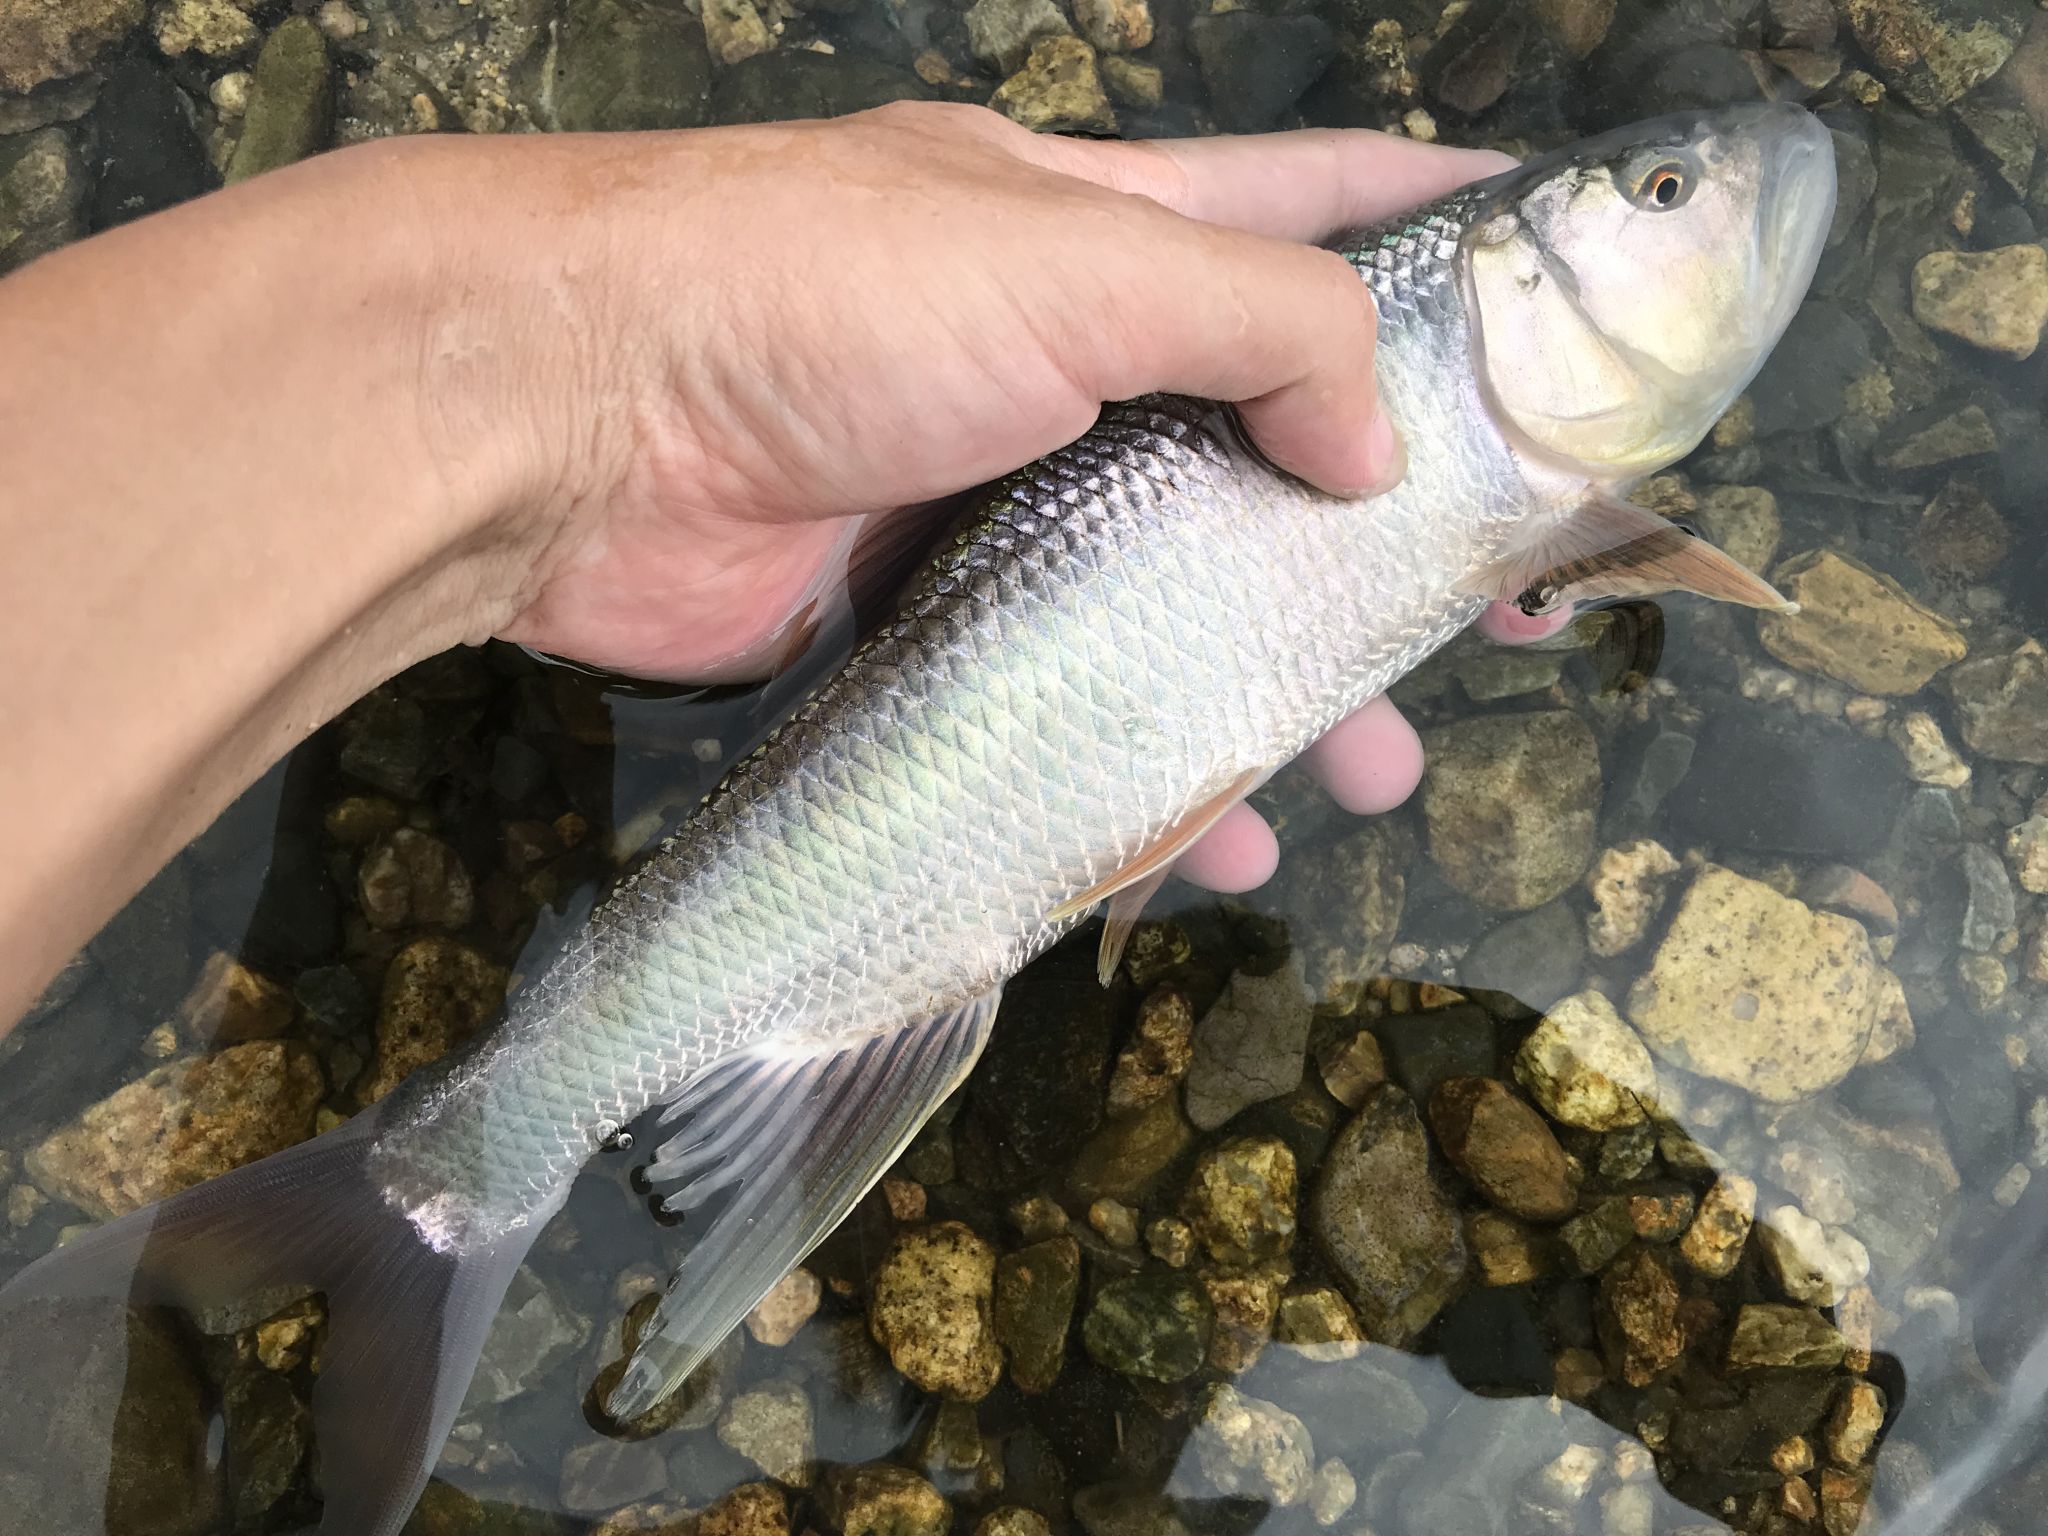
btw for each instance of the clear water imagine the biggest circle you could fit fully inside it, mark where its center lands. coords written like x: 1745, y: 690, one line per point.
x: 1906, y: 1162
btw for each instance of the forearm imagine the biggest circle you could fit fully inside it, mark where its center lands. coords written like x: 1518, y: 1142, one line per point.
x: 245, y: 480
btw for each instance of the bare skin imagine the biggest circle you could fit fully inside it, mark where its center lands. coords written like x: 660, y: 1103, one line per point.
x: 616, y: 398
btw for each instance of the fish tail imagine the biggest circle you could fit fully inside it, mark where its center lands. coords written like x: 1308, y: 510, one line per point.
x: 406, y: 1323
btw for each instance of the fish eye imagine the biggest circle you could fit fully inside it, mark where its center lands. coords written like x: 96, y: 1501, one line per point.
x: 1666, y: 186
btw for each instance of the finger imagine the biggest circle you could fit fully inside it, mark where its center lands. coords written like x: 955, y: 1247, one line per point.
x: 1370, y: 761
x: 1283, y: 330
x: 1508, y: 625
x: 1305, y: 185
x: 1236, y: 854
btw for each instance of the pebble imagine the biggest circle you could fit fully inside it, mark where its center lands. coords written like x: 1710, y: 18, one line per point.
x: 43, y: 188
x: 230, y: 1004
x: 1628, y: 884
x: 1639, y: 1318
x: 1131, y: 83
x: 1114, y: 26
x: 599, y: 1477
x: 229, y: 94
x: 1503, y: 1147
x: 1961, y: 533
x: 1115, y: 1222
x: 1811, y: 1263
x: 623, y: 67
x: 1758, y: 990
x: 290, y: 109
x: 1250, y: 1448
x: 789, y: 1304
x: 1596, y: 1235
x: 1250, y: 1047
x: 2002, y: 704
x: 1510, y: 802
x: 1713, y: 1244
x: 437, y: 993
x: 1533, y: 957
x: 179, y: 1125
x: 535, y: 1330
x: 770, y: 1427
x: 1769, y: 1336
x: 1929, y: 757
x: 1170, y: 1240
x: 1126, y: 1156
x: 1034, y: 1307
x: 1058, y: 90
x: 214, y: 29
x: 1342, y: 901
x: 2011, y: 1186
x: 1013, y: 1520
x: 1155, y: 1324
x: 1332, y: 1492
x: 932, y: 1309
x: 734, y: 30
x: 1240, y: 1199
x: 1857, y: 626
x: 1586, y: 1067
x: 1843, y: 1496
x: 1353, y: 1066
x: 1996, y: 300
x: 1000, y: 33
x: 1244, y: 1302
x: 1038, y: 1216
x: 42, y: 43
x: 884, y: 1500
x: 1989, y: 909
x: 1383, y: 1222
x: 2026, y: 850
x: 1158, y: 1053
x: 1742, y: 520
x: 1852, y: 1428
x: 1319, y: 1322
x: 1506, y: 1251
x: 410, y: 877
x: 1948, y: 439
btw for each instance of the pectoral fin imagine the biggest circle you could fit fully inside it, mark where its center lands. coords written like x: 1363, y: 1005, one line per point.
x: 1612, y: 548
x: 796, y: 1140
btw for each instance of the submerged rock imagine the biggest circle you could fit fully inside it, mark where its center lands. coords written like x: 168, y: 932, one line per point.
x: 1628, y: 884
x: 1503, y: 1147
x: 42, y: 195
x: 437, y: 993
x: 1713, y: 1243
x: 182, y: 1124
x: 1996, y: 300
x: 1857, y: 626
x: 1250, y: 1047
x: 1252, y: 1449
x: 291, y: 102
x: 230, y: 1003
x: 1256, y: 66
x: 1034, y: 1307
x: 41, y: 40
x: 1057, y: 90
x: 627, y: 66
x: 1156, y: 1324
x: 1384, y: 1223
x: 1002, y: 33
x: 2002, y: 704
x: 1158, y: 1054
x: 1342, y: 900
x: 771, y: 1427
x: 1586, y: 1067
x: 1639, y: 1318
x: 797, y: 82
x: 1240, y: 1199
x: 1768, y: 1336
x: 933, y: 1310
x: 1510, y: 801
x: 1758, y: 990
x: 411, y: 878
x: 1534, y: 957
x: 1115, y: 26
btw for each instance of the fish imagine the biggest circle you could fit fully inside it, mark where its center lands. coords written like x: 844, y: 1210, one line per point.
x: 1117, y: 644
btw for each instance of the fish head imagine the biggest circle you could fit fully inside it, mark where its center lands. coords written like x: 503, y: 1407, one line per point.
x: 1625, y: 290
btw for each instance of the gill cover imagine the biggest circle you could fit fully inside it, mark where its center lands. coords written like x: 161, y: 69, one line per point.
x: 1623, y: 292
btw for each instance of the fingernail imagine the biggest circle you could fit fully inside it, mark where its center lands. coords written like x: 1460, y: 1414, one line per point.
x: 1383, y: 444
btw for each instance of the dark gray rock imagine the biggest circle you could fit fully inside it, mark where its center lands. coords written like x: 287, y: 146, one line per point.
x: 629, y: 64
x: 1258, y: 66
x: 795, y: 82
x: 42, y: 194
x: 1988, y: 909
x: 1803, y: 384
x: 1785, y: 787
x: 1534, y: 958
x: 1423, y: 1049
x: 146, y: 151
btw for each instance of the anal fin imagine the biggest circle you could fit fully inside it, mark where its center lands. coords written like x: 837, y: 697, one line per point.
x: 1607, y: 547
x: 797, y: 1142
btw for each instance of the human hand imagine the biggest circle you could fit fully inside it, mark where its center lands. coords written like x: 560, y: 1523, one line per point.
x: 826, y: 321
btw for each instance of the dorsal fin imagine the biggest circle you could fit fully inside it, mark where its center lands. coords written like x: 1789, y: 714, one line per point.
x: 1607, y: 547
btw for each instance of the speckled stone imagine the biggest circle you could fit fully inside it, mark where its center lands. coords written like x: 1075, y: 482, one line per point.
x: 1994, y: 300
x: 1713, y: 1243
x: 1857, y: 626
x: 1503, y: 1147
x: 1510, y: 802
x: 1240, y: 1199
x: 1586, y: 1067
x: 1768, y: 1336
x: 1250, y: 1448
x: 933, y: 1310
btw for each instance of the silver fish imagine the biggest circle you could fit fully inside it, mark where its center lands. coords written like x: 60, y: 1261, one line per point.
x: 1123, y: 640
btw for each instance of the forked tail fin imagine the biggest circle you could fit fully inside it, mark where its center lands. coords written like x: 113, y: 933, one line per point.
x: 406, y: 1323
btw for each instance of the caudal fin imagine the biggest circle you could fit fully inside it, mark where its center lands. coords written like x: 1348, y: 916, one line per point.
x: 406, y: 1323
